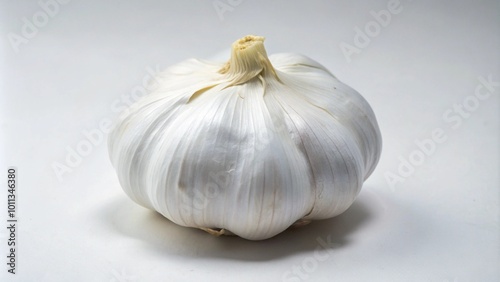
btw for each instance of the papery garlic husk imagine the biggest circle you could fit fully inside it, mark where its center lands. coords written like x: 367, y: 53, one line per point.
x: 248, y: 147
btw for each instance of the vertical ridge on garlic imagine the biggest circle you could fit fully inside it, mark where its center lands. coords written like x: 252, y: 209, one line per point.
x: 247, y: 147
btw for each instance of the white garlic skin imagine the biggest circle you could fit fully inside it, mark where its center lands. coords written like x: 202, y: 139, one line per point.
x: 250, y: 146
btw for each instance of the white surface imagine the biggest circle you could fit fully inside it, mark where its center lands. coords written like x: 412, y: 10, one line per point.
x: 440, y: 224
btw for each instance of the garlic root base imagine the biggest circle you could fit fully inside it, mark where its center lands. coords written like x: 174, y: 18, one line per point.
x: 221, y: 231
x: 217, y: 231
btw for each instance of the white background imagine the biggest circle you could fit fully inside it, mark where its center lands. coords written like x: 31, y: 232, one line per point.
x: 440, y: 222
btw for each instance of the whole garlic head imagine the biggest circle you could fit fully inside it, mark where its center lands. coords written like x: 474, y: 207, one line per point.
x: 248, y: 147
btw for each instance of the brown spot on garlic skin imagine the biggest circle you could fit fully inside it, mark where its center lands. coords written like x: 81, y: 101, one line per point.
x: 300, y: 223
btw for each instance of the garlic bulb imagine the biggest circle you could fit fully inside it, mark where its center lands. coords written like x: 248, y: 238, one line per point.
x: 248, y: 147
